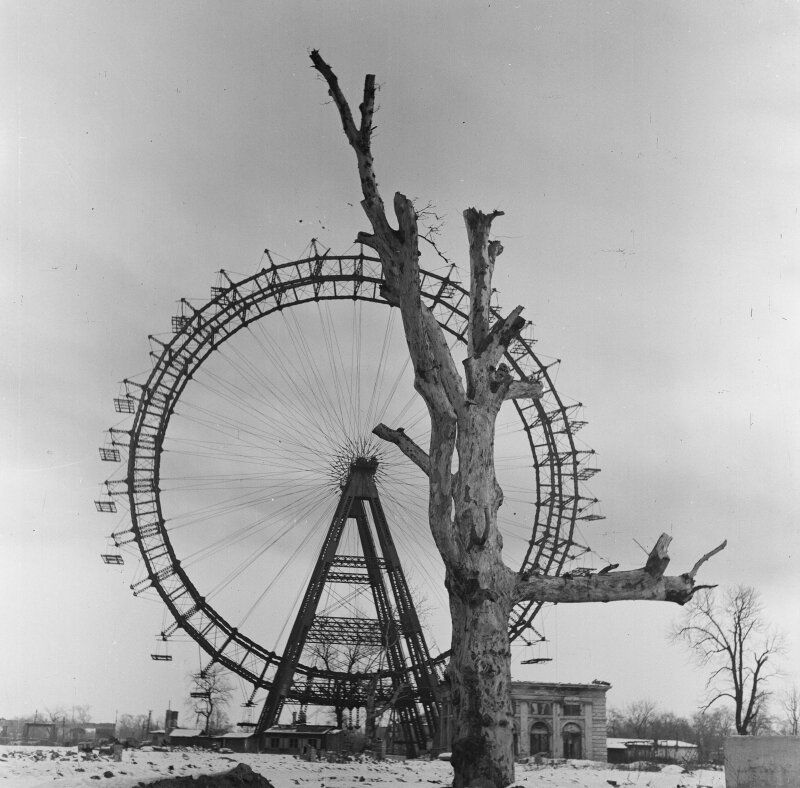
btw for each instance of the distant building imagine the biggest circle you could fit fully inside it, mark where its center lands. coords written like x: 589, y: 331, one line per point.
x: 616, y: 751
x: 161, y: 736
x: 238, y: 741
x: 11, y: 731
x: 61, y: 732
x: 104, y: 731
x: 170, y: 720
x: 551, y: 720
x: 94, y: 732
x: 40, y: 733
x: 187, y: 737
x: 299, y: 739
x: 620, y: 750
x: 157, y: 736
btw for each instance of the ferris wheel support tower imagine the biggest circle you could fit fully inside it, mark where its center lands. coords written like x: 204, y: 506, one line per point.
x: 396, y: 628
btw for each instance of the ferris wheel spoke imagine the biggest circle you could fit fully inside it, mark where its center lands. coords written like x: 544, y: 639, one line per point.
x: 199, y: 516
x: 340, y: 406
x: 250, y: 559
x: 311, y: 392
x: 284, y: 412
x: 374, y: 405
x: 302, y: 546
x: 255, y: 439
x: 416, y: 533
x: 338, y: 383
x: 276, y: 422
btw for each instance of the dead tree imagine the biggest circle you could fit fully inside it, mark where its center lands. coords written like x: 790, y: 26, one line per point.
x: 345, y: 660
x: 731, y: 638
x: 639, y: 715
x: 211, y: 691
x: 463, y: 505
x: 790, y: 702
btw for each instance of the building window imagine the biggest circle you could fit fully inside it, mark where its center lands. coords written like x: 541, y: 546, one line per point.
x: 275, y: 743
x: 545, y: 709
x: 572, y: 709
x: 292, y: 744
x: 572, y: 737
x: 540, y: 739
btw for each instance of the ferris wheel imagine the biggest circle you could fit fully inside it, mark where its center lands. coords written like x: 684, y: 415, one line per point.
x: 272, y: 523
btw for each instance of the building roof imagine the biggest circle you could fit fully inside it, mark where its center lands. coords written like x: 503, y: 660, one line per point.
x: 619, y: 744
x: 301, y: 729
x: 235, y: 735
x: 675, y: 743
x: 595, y: 686
x: 185, y: 733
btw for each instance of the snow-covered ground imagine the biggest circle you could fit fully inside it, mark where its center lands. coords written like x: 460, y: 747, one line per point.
x: 30, y: 768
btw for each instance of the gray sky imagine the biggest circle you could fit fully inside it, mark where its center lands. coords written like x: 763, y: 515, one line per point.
x: 647, y: 159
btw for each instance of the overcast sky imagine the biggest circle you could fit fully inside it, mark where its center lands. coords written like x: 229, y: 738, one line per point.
x: 646, y: 156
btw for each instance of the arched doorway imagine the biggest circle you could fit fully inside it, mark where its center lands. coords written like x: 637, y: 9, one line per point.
x: 540, y: 739
x: 572, y: 737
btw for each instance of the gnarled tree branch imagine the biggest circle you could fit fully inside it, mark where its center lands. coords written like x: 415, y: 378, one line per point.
x: 647, y: 583
x: 705, y: 558
x: 436, y: 378
x: 360, y: 142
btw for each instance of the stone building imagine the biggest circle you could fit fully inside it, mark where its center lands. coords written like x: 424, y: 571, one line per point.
x: 551, y: 720
x: 560, y: 720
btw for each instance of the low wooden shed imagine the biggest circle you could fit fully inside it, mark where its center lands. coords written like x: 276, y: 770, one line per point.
x: 301, y: 739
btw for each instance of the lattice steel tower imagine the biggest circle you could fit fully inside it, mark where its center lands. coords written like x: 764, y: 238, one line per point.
x: 408, y: 679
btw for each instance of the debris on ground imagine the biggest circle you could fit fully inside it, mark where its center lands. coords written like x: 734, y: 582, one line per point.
x: 240, y: 775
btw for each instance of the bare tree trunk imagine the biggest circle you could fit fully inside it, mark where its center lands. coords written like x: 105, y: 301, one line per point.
x: 480, y: 590
x: 370, y: 713
x: 479, y: 676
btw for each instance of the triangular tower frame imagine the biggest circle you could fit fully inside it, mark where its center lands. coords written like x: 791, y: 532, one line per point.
x: 397, y: 627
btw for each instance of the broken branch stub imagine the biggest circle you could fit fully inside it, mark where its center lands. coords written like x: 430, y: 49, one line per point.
x: 399, y: 438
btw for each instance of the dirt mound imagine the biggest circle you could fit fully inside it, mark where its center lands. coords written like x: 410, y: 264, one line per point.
x: 240, y: 775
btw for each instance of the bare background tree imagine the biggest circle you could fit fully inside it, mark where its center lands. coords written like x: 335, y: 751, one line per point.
x: 463, y: 504
x: 790, y: 703
x: 357, y: 657
x: 639, y: 715
x: 731, y: 637
x: 79, y: 714
x: 213, y: 692
x: 132, y: 727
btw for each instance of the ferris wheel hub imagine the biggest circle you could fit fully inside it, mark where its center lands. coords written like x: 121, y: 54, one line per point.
x: 349, y: 460
x: 364, y: 464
